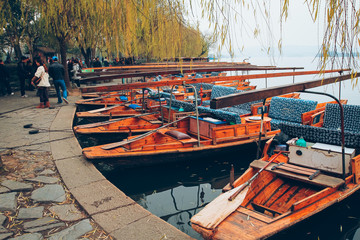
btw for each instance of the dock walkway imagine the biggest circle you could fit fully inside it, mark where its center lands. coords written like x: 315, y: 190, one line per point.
x: 49, y: 191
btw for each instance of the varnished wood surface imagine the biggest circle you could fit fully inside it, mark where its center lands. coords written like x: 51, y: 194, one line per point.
x: 254, y: 95
x: 195, y: 80
x: 321, y: 180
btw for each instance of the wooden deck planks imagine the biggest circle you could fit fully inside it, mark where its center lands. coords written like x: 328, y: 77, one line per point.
x: 321, y: 180
x: 238, y: 226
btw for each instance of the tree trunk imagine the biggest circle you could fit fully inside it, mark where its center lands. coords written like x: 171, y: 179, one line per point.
x: 87, y: 55
x: 63, y: 48
x: 14, y: 40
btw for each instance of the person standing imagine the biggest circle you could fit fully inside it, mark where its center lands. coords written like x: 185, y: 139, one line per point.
x: 97, y: 63
x: 23, y: 74
x: 106, y: 62
x: 4, y: 83
x: 57, y: 72
x: 42, y: 77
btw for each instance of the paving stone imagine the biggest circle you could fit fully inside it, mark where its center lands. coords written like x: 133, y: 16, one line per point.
x: 3, y: 230
x: 49, y: 193
x: 5, y: 235
x: 120, y: 217
x: 74, y: 231
x: 149, y: 226
x: 43, y: 228
x: 28, y: 236
x: 17, y: 186
x: 44, y: 179
x: 2, y: 219
x: 27, y: 213
x: 47, y: 172
x: 67, y: 212
x: 42, y: 224
x: 8, y: 201
x: 4, y: 189
x: 100, y: 196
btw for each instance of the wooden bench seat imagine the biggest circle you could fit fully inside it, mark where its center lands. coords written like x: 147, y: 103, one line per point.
x: 321, y: 180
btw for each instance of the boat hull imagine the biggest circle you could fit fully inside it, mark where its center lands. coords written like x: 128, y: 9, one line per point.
x: 260, y: 230
x: 148, y: 158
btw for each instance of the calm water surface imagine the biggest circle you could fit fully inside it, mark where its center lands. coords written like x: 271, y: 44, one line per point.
x: 178, y: 191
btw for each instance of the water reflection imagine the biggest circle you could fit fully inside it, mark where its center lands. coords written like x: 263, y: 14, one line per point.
x: 176, y: 192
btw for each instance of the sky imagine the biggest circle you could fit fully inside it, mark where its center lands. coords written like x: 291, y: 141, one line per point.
x: 300, y: 35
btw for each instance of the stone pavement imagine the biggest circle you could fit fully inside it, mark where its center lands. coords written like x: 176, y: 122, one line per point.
x: 49, y: 191
x: 34, y: 203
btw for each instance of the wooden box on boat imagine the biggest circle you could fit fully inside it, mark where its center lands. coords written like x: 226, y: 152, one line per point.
x: 205, y: 126
x: 321, y: 156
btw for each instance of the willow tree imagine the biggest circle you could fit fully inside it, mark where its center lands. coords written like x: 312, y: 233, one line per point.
x: 341, y: 20
x: 59, y: 18
x: 150, y: 28
x: 12, y: 23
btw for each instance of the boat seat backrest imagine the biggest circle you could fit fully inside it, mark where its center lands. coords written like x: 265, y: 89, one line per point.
x: 290, y: 109
x: 167, y: 95
x: 221, y: 115
x: 351, y: 117
x: 188, y: 107
x: 219, y: 91
x: 205, y: 86
x: 320, y: 134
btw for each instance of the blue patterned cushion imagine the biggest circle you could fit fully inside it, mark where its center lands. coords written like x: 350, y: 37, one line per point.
x: 167, y: 95
x: 205, y: 86
x: 155, y: 95
x: 134, y: 106
x: 320, y: 134
x: 188, y: 107
x: 222, y: 115
x: 123, y: 98
x: 351, y: 117
x: 219, y: 91
x: 290, y: 109
x: 275, y: 123
x: 238, y: 111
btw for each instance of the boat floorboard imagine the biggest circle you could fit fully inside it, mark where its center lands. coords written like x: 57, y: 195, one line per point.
x: 322, y: 180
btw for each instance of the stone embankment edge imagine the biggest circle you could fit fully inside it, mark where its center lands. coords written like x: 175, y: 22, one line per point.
x: 109, y: 207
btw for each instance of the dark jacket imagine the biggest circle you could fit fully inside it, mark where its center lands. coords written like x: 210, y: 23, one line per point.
x: 97, y: 64
x: 57, y: 71
x: 3, y: 73
x: 22, y: 71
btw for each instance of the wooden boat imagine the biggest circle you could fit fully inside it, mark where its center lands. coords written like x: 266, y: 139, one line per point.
x: 115, y: 111
x: 286, y: 191
x: 121, y: 128
x: 287, y: 186
x: 167, y: 143
x: 145, y: 121
x: 151, y: 102
x: 110, y: 100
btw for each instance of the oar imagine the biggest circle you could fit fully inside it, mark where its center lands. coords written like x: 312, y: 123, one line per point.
x: 253, y: 178
x: 98, y: 124
x: 126, y: 141
x: 105, y: 96
x: 220, y: 208
x: 112, y: 106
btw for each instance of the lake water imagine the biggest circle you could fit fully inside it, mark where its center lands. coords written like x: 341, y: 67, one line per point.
x: 178, y: 191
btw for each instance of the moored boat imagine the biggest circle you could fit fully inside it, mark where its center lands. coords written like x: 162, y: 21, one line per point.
x: 217, y: 130
x: 291, y: 183
x: 122, y: 127
x: 287, y: 191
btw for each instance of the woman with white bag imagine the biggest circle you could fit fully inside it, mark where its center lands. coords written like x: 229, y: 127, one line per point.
x: 41, y: 81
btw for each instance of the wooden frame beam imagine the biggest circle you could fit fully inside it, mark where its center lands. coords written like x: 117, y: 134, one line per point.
x: 253, y: 95
x: 140, y: 85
